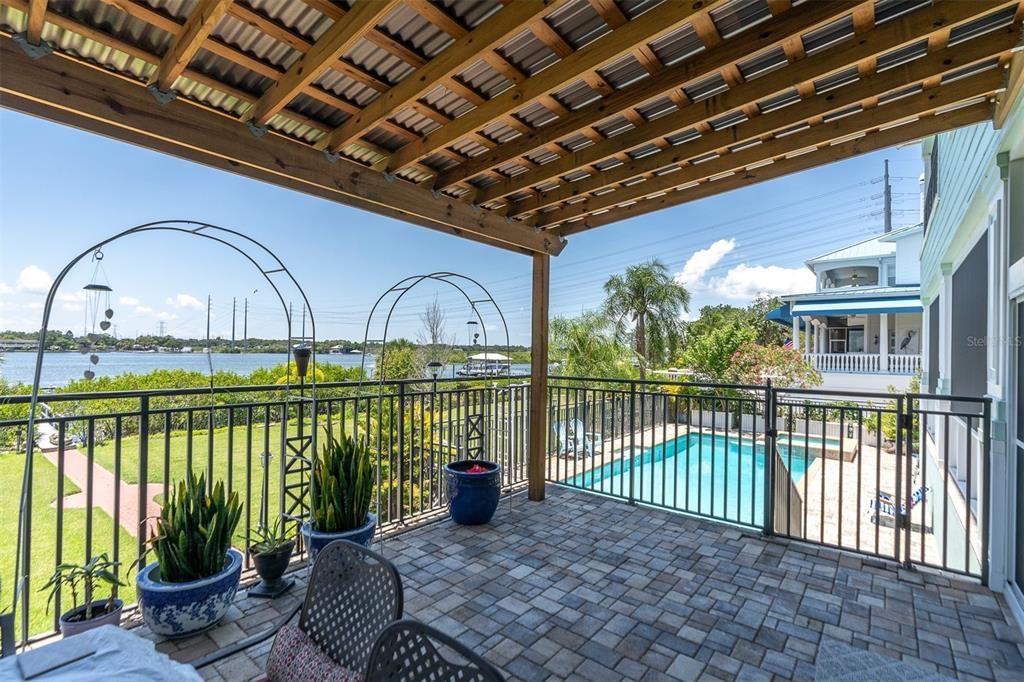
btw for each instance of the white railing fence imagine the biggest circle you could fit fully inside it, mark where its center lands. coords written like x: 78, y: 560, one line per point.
x: 869, y: 363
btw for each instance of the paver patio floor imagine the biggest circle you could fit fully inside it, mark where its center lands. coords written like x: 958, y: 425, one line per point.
x: 587, y: 588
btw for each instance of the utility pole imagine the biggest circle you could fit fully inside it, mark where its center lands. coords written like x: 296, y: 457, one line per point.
x: 887, y: 210
x: 245, y: 325
x: 209, y: 307
x: 234, y: 307
x: 163, y: 328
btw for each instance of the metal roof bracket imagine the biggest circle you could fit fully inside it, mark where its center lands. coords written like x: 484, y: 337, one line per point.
x: 163, y: 98
x: 331, y: 156
x: 34, y: 51
x: 257, y: 131
x: 390, y: 177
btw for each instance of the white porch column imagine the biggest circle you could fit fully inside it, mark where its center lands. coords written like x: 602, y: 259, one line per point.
x: 807, y: 335
x: 796, y: 333
x: 943, y: 386
x: 883, y: 342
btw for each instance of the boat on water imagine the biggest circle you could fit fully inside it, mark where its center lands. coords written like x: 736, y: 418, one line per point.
x: 486, y: 365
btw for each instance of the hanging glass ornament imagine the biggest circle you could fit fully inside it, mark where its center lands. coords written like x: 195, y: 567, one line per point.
x: 97, y: 299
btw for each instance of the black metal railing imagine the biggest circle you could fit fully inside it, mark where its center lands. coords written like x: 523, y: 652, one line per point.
x: 899, y: 476
x: 96, y: 449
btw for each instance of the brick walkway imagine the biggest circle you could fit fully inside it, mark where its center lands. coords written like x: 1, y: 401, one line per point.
x: 587, y: 588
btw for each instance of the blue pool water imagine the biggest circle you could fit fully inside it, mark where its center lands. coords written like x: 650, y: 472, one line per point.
x: 709, y: 475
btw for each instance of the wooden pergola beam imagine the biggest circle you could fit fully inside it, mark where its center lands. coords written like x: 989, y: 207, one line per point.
x: 206, y: 15
x: 466, y: 50
x: 770, y: 34
x: 36, y: 19
x: 929, y: 125
x: 68, y: 91
x: 920, y: 104
x: 1014, y: 87
x: 888, y: 37
x: 338, y: 40
x: 811, y: 110
x: 647, y: 27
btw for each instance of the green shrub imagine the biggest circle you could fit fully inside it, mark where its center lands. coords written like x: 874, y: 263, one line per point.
x: 343, y: 485
x: 194, y: 530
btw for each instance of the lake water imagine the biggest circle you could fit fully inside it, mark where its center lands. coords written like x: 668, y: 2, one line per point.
x: 61, y: 368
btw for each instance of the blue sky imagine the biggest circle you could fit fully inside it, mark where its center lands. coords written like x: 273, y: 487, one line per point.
x: 62, y: 190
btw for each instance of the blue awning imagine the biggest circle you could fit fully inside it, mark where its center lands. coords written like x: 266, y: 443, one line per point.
x: 908, y: 304
x: 782, y: 315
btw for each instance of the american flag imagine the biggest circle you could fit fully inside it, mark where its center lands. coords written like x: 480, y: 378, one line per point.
x: 788, y: 344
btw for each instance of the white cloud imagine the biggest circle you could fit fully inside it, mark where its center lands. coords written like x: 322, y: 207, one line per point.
x: 72, y: 307
x: 185, y: 301
x: 744, y: 282
x: 162, y: 315
x: 128, y: 300
x: 702, y: 261
x: 142, y: 309
x: 5, y: 289
x: 34, y: 278
x: 71, y: 296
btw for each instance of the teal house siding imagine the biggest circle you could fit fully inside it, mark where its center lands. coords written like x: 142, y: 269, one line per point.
x: 964, y: 156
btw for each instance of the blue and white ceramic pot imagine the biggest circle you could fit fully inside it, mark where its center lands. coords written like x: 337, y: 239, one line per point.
x: 180, y: 609
x: 316, y: 540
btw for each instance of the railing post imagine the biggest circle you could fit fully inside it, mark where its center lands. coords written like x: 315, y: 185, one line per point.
x: 986, y: 486
x: 632, y: 439
x: 908, y: 480
x: 770, y: 440
x: 143, y: 475
x: 401, y: 451
x: 900, y: 518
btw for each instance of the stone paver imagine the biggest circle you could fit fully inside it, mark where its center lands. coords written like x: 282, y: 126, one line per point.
x: 588, y: 588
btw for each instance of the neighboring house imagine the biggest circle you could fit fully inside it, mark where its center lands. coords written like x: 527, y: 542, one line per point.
x: 862, y: 325
x: 972, y: 287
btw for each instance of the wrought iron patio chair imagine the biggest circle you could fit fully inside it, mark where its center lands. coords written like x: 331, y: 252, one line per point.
x: 409, y: 651
x: 353, y: 594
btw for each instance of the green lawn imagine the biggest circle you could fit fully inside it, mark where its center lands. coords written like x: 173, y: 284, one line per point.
x: 44, y: 536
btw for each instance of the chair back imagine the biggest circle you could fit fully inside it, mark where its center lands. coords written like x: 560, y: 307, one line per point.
x: 409, y: 651
x: 353, y: 594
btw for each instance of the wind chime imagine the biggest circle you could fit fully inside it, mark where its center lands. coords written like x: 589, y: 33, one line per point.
x: 98, y: 312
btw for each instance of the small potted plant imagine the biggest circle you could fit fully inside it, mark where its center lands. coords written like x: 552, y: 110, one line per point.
x: 193, y: 582
x: 342, y: 488
x: 271, y: 550
x: 83, y: 580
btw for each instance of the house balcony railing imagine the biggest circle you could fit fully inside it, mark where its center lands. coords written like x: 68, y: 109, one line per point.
x: 864, y: 363
x: 838, y: 469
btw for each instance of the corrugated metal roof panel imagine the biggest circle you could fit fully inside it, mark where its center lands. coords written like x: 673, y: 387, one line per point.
x: 447, y: 102
x: 624, y: 72
x: 763, y: 63
x: 535, y: 115
x: 408, y: 27
x: 576, y: 95
x: 614, y: 126
x: 318, y: 111
x: 528, y: 54
x: 471, y: 12
x: 828, y: 35
x: 482, y: 78
x: 982, y: 26
x: 887, y: 10
x: 578, y: 23
x: 677, y: 45
x: 709, y: 87
x: 658, y: 108
x: 114, y: 22
x: 739, y: 15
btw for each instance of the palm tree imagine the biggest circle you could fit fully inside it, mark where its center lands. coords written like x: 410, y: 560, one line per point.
x: 648, y: 303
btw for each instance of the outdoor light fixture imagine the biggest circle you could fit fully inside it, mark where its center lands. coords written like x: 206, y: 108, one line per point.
x: 302, y: 352
x: 434, y: 368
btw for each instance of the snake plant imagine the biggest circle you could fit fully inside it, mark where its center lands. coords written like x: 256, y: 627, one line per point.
x: 194, y: 530
x: 342, y: 485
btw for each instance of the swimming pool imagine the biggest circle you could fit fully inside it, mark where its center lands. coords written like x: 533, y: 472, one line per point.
x: 710, y: 474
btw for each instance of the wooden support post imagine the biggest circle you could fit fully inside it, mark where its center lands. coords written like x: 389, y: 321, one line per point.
x: 539, y: 376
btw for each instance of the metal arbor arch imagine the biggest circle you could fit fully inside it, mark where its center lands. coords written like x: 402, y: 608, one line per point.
x: 401, y: 288
x: 253, y: 251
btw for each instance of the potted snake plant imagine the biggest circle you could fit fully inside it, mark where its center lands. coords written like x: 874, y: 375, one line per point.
x: 271, y: 550
x: 83, y: 580
x: 193, y: 582
x: 342, y: 488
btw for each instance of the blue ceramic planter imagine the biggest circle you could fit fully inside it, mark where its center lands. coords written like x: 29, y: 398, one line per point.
x: 180, y: 609
x: 316, y: 540
x: 472, y: 498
